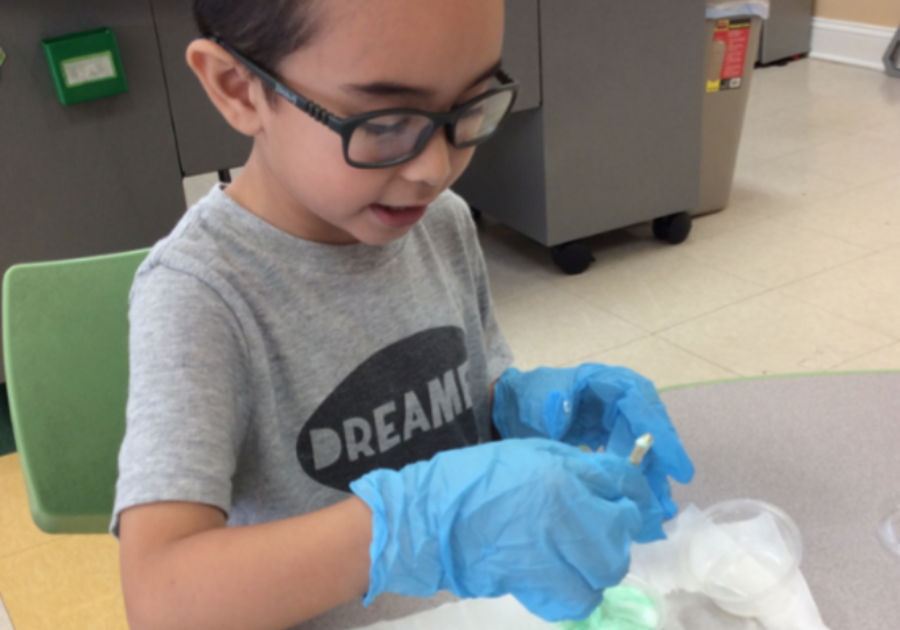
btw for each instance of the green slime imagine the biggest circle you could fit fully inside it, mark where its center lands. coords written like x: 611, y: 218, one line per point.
x: 623, y: 608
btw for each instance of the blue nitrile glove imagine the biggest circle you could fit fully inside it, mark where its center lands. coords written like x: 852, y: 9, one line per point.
x: 543, y: 521
x: 594, y: 405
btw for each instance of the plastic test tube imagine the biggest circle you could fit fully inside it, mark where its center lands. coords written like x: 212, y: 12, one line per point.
x: 641, y: 446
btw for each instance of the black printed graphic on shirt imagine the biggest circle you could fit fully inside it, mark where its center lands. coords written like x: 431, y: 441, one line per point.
x: 405, y: 403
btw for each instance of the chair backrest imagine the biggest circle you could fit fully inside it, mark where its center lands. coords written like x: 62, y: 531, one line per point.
x: 65, y: 343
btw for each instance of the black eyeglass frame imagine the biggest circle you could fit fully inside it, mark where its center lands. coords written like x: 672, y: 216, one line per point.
x: 346, y: 126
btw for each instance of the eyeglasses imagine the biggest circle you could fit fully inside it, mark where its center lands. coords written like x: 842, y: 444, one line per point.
x: 389, y: 137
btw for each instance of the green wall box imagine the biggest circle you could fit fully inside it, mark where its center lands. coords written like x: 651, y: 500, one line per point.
x: 85, y: 66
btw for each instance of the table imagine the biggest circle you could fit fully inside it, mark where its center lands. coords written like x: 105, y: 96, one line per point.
x: 826, y: 449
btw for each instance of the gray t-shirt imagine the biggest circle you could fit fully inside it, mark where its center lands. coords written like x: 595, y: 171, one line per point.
x: 267, y: 372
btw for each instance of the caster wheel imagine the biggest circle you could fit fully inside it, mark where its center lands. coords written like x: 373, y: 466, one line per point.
x: 476, y: 213
x: 673, y: 229
x: 572, y: 258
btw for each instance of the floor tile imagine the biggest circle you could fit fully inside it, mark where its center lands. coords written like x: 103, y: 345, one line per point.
x: 662, y: 362
x: 776, y: 88
x: 860, y: 85
x: 659, y: 290
x: 554, y: 327
x: 758, y: 105
x: 103, y: 613
x: 517, y: 266
x: 782, y: 181
x: 18, y: 530
x: 866, y: 291
x: 5, y: 621
x: 841, y: 113
x: 196, y: 187
x: 780, y: 134
x: 855, y: 159
x: 733, y: 217
x: 886, y: 191
x: 865, y: 216
x: 628, y: 244
x: 769, y: 89
x: 775, y: 334
x: 886, y: 132
x: 749, y: 156
x: 72, y: 583
x: 844, y: 97
x: 884, y: 359
x: 771, y: 253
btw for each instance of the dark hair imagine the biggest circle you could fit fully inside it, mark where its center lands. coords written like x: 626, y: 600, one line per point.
x: 265, y: 31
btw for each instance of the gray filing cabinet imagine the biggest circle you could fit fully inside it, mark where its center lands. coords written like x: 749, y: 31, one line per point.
x: 788, y: 31
x: 616, y: 139
x: 92, y: 178
x: 206, y: 143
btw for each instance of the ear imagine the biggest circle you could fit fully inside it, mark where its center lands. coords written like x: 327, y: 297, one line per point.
x: 233, y: 90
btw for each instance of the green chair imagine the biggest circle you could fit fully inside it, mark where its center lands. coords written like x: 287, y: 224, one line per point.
x: 65, y: 343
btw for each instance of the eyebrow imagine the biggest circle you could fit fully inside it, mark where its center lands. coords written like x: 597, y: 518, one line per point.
x: 388, y: 88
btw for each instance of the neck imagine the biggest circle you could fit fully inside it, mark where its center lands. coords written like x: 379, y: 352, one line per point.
x: 257, y: 190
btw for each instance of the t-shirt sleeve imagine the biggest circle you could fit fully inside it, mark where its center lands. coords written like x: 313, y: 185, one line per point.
x: 188, y: 397
x: 498, y: 351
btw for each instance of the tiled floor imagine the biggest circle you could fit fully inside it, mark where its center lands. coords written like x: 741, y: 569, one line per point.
x: 800, y: 274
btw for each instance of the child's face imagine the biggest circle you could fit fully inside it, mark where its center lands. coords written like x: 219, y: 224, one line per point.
x: 431, y: 51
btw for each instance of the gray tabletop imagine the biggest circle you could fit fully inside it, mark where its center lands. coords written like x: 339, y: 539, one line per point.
x: 826, y: 449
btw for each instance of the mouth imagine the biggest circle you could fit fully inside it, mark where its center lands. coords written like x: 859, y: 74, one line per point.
x: 398, y: 216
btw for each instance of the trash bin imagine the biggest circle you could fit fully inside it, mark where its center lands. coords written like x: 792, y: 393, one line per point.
x: 732, y: 44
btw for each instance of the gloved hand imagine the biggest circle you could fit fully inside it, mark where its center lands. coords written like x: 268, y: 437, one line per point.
x: 594, y: 405
x: 544, y: 521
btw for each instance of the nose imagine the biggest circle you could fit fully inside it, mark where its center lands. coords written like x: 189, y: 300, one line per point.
x: 432, y: 166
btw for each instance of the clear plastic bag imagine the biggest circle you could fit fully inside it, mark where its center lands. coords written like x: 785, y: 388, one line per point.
x: 716, y: 9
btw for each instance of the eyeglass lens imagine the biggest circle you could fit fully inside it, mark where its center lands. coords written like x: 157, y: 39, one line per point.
x: 392, y: 137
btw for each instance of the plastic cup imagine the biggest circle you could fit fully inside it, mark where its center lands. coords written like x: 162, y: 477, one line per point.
x: 889, y: 529
x: 744, y: 555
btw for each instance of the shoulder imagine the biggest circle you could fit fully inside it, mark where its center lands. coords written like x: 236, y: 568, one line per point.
x: 196, y: 232
x: 448, y: 207
x: 449, y: 220
x: 451, y: 233
x: 205, y: 247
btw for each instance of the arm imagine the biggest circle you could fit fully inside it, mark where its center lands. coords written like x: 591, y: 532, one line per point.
x: 182, y: 568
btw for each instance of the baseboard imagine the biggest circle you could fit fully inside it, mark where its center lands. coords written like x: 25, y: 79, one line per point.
x: 850, y: 42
